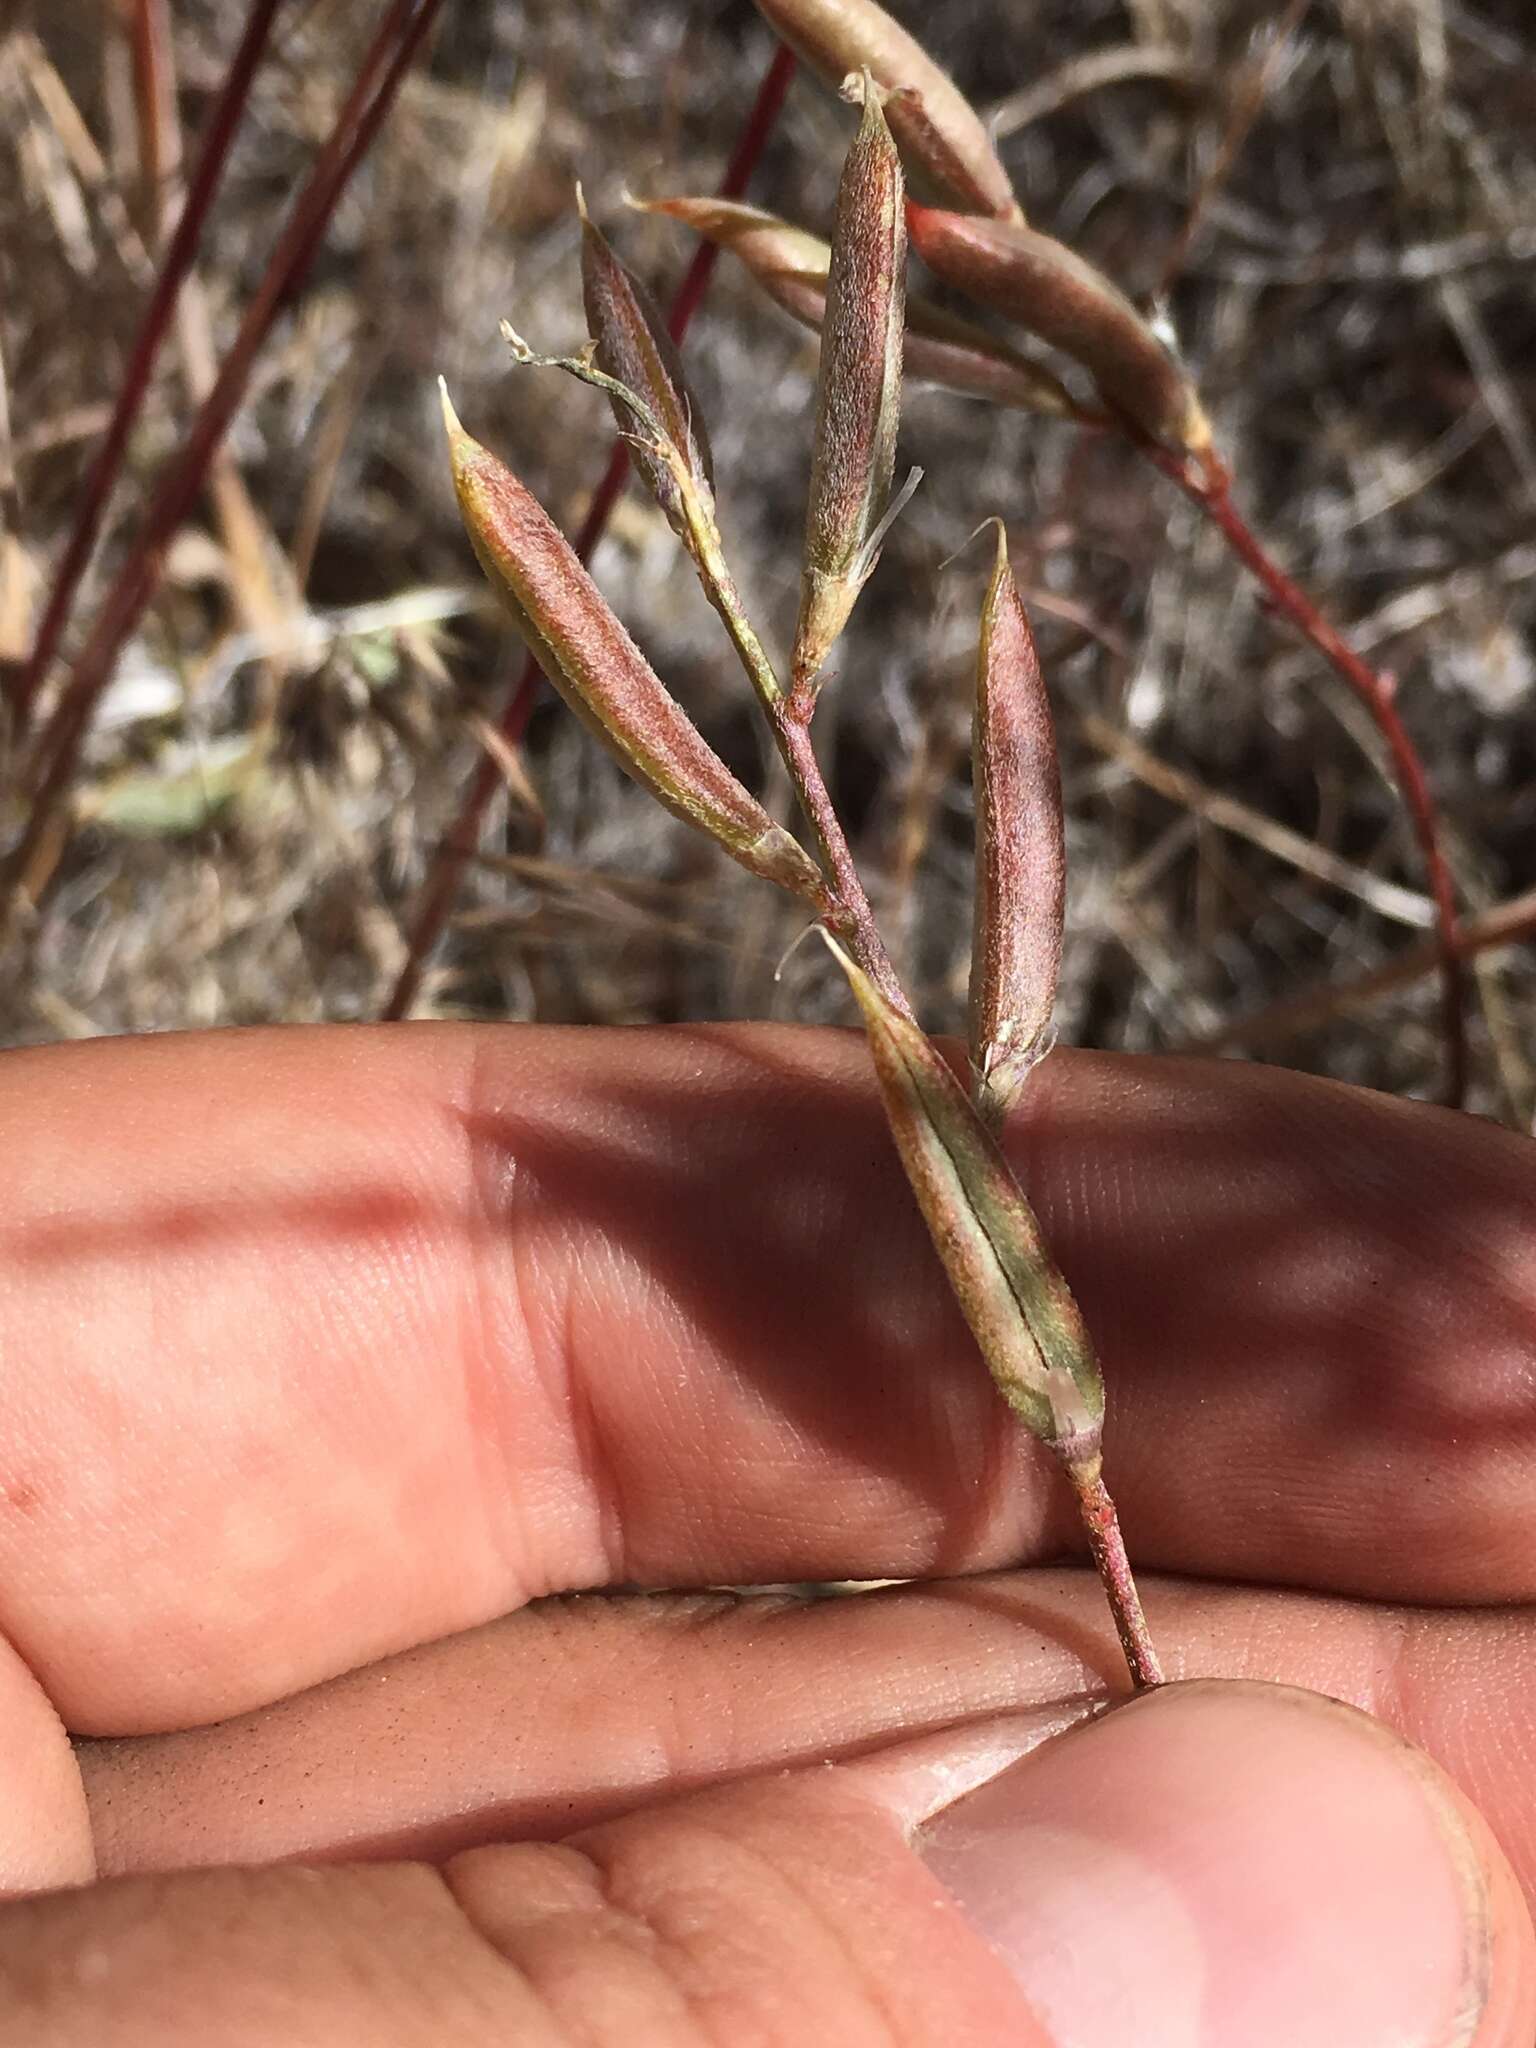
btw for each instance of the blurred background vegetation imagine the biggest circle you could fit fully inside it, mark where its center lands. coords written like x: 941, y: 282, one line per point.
x: 1337, y: 201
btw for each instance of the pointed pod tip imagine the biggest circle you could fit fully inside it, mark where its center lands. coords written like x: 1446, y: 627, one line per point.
x: 453, y: 426
x: 581, y: 205
x: 1002, y: 565
x: 835, y: 947
x: 865, y: 994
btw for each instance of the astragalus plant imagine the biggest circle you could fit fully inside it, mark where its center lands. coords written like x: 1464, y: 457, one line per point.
x: 972, y: 234
x: 1020, y: 1309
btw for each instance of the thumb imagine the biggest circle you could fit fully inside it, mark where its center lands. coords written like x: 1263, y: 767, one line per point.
x: 1222, y: 1862
x: 1213, y: 1864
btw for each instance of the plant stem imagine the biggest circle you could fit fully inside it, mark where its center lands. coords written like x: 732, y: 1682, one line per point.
x: 54, y: 757
x: 850, y: 916
x: 1208, y: 486
x: 134, y: 383
x: 1113, y: 1566
x: 457, y: 848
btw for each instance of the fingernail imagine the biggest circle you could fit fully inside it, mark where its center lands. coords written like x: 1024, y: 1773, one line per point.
x: 1218, y: 1863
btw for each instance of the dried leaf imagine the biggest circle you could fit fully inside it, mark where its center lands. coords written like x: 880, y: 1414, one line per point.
x: 601, y: 673
x: 634, y: 348
x: 858, y: 392
x: 938, y: 347
x: 941, y: 134
x: 1050, y: 290
x: 1021, y: 864
x: 1019, y: 1307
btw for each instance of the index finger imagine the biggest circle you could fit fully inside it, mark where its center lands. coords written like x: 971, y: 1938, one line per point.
x: 323, y: 1343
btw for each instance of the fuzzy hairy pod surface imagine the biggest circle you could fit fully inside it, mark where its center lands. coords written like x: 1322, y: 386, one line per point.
x: 1020, y: 1309
x: 634, y: 347
x: 941, y: 134
x: 1021, y: 860
x: 594, y: 664
x: 1048, y: 289
x: 858, y: 391
x: 939, y: 347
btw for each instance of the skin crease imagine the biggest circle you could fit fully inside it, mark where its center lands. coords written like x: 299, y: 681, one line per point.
x: 500, y: 1336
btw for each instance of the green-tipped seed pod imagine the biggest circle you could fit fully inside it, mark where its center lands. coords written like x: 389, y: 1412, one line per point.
x: 1020, y: 1309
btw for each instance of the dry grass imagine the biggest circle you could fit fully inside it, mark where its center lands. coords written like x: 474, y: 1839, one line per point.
x: 1344, y: 223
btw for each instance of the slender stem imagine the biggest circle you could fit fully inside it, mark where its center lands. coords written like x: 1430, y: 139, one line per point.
x: 1209, y: 488
x: 850, y: 917
x: 1107, y: 1544
x: 52, y: 765
x: 457, y: 848
x: 134, y: 383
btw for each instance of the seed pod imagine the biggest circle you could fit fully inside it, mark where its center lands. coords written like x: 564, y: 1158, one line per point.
x: 942, y: 136
x: 634, y: 347
x: 858, y: 392
x: 775, y: 251
x: 1021, y: 865
x: 938, y: 348
x: 1019, y: 1307
x: 943, y: 349
x: 1049, y: 289
x: 601, y: 673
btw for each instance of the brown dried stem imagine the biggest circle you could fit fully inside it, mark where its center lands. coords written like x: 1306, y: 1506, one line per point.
x: 457, y: 848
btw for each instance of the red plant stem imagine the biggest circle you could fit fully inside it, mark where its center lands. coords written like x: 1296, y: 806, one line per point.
x: 134, y: 383
x: 1107, y: 1546
x: 57, y: 750
x: 1208, y: 487
x: 458, y: 846
x: 850, y: 916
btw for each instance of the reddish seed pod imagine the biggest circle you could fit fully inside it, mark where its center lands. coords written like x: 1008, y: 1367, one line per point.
x: 942, y: 137
x: 858, y: 391
x: 1021, y: 862
x: 594, y: 664
x: 1051, y: 291
x: 634, y: 347
x: 939, y: 347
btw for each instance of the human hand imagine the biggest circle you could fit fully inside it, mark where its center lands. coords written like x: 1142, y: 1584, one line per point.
x: 323, y: 1350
